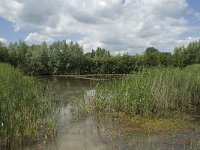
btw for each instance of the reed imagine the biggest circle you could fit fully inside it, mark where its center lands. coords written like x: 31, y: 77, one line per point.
x: 159, y: 91
x: 26, y: 114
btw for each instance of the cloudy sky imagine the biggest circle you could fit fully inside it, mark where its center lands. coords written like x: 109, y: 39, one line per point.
x: 117, y: 25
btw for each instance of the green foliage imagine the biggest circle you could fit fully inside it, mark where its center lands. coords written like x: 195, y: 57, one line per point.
x: 24, y: 109
x: 65, y: 58
x: 152, y: 92
x: 3, y: 53
x: 184, y: 56
x: 69, y: 58
x: 152, y: 58
x: 37, y: 59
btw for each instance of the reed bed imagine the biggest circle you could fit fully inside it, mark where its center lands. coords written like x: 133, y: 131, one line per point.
x: 26, y: 114
x: 152, y: 92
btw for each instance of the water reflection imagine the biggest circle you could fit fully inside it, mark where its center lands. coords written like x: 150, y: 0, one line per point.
x: 66, y: 88
x: 98, y: 132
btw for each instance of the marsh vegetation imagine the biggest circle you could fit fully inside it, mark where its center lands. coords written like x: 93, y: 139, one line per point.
x: 26, y: 114
x: 152, y: 92
x: 156, y: 95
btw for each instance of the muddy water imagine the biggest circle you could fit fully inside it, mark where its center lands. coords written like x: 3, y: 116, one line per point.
x: 95, y: 132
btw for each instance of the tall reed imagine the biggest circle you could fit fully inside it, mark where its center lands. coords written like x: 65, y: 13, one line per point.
x: 25, y: 113
x: 152, y: 92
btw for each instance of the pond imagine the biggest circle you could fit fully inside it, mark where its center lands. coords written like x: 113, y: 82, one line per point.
x: 100, y: 132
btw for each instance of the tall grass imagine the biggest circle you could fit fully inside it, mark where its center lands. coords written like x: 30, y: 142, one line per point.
x: 25, y: 113
x: 160, y: 91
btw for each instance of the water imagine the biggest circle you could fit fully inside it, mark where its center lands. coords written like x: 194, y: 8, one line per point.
x: 88, y: 132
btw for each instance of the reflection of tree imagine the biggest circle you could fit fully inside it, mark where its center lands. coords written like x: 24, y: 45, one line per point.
x: 67, y: 88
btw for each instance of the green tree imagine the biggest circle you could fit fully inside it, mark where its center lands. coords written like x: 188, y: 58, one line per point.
x: 3, y: 53
x: 151, y: 57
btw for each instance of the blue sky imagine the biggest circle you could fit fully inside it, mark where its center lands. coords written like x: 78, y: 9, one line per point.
x: 118, y: 25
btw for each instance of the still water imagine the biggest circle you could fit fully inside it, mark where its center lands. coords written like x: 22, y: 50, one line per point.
x: 88, y: 132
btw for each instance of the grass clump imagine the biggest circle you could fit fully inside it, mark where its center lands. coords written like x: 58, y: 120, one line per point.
x: 25, y: 113
x: 160, y: 92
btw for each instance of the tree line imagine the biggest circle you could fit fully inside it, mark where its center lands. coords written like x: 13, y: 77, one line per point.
x: 69, y: 58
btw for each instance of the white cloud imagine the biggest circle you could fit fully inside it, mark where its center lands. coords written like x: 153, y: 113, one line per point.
x: 187, y: 40
x: 119, y: 25
x: 10, y: 10
x: 88, y: 45
x: 38, y: 38
x: 3, y: 40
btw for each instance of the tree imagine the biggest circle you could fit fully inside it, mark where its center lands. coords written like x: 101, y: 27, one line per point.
x: 3, y: 53
x: 151, y: 57
x: 12, y: 52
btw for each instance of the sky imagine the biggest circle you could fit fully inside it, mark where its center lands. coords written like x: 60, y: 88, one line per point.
x: 121, y: 26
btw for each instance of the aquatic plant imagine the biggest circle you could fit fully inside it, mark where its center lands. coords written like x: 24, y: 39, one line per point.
x: 159, y: 91
x: 26, y: 114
